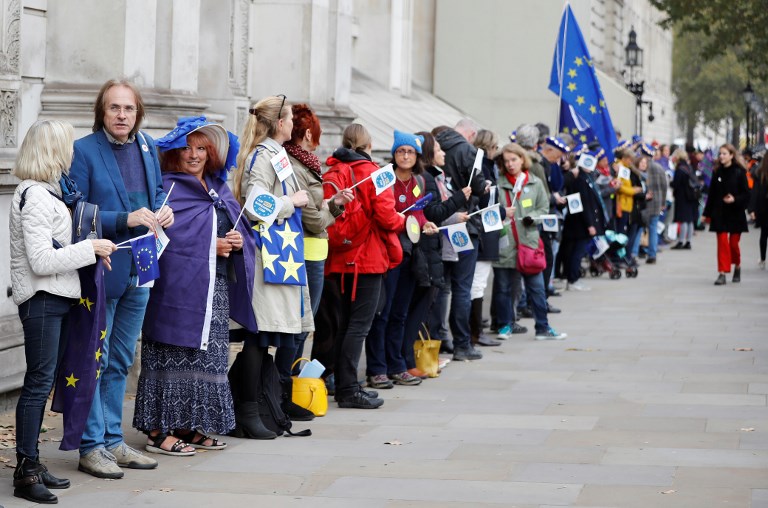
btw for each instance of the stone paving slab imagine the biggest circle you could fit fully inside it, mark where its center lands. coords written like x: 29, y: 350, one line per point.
x: 649, y: 394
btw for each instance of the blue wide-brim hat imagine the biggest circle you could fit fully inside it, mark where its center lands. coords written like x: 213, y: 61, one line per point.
x: 647, y: 149
x: 406, y: 138
x: 558, y: 143
x: 624, y: 143
x: 225, y: 142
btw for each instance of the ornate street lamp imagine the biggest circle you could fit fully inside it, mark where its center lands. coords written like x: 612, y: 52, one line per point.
x: 634, y: 58
x: 748, y: 94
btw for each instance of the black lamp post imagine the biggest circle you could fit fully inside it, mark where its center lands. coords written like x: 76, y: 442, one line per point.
x: 749, y: 94
x: 634, y: 58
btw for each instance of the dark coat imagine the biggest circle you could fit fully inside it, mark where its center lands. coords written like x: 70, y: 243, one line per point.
x: 725, y: 217
x: 686, y: 204
x: 759, y: 202
x: 488, y: 250
x: 459, y: 159
x: 576, y: 225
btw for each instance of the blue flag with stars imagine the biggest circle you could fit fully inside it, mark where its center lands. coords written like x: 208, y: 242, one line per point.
x: 80, y: 366
x: 145, y: 256
x: 282, y: 251
x: 572, y: 123
x: 574, y: 79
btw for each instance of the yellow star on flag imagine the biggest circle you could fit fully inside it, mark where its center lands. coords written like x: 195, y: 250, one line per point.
x: 263, y: 231
x: 602, y: 103
x: 589, y: 62
x: 98, y: 373
x: 268, y: 260
x: 288, y: 236
x: 580, y: 100
x: 583, y: 138
x: 592, y: 109
x: 572, y: 73
x: 98, y: 354
x: 291, y: 267
x: 103, y: 334
x: 572, y: 87
x: 71, y: 380
x: 574, y: 130
x: 579, y: 62
x: 87, y: 303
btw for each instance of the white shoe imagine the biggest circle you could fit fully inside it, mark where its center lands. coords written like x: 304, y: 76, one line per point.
x: 577, y: 286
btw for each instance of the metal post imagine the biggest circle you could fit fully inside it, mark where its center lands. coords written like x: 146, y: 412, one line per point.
x: 746, y: 131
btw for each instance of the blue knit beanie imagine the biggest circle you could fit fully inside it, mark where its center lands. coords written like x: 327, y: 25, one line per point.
x: 405, y: 138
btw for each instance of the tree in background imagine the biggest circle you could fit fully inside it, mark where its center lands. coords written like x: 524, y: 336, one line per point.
x: 727, y: 25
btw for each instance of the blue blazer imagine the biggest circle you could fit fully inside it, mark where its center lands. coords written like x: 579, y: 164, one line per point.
x: 95, y: 171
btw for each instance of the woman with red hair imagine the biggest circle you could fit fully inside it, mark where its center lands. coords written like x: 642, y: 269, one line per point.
x: 319, y: 212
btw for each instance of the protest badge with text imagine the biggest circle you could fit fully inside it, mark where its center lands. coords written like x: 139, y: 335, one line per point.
x: 574, y: 203
x: 459, y: 237
x: 282, y: 165
x: 492, y: 218
x: 624, y: 172
x: 383, y: 178
x: 549, y: 223
x: 263, y: 205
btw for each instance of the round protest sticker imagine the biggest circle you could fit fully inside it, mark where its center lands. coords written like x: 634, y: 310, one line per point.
x: 264, y: 205
x: 412, y: 229
x: 459, y: 239
x: 491, y: 217
x: 384, y: 179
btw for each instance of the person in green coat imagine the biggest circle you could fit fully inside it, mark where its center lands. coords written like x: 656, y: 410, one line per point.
x: 525, y: 198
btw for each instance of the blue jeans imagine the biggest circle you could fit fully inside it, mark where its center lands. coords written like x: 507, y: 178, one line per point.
x: 438, y: 313
x: 461, y: 273
x: 573, y: 263
x: 44, y: 320
x: 315, y: 282
x: 376, y: 341
x: 125, y: 316
x: 510, y: 288
x: 653, y: 238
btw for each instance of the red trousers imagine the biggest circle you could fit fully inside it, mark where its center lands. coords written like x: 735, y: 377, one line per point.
x: 728, y: 252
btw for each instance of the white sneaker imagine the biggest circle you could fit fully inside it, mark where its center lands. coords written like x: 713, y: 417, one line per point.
x: 101, y: 464
x: 125, y: 456
x: 577, y: 286
x: 551, y: 334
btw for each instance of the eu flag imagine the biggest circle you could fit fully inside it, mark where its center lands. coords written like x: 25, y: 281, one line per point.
x: 572, y: 123
x: 145, y: 256
x: 574, y: 79
x: 80, y: 366
x: 282, y: 251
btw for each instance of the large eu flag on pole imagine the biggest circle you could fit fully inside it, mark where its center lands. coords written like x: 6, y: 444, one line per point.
x: 80, y: 366
x: 574, y: 80
x: 572, y: 123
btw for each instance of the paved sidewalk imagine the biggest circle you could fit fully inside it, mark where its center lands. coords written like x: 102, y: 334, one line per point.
x: 656, y: 399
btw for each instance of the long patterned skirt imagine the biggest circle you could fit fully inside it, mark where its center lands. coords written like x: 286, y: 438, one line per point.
x: 187, y: 388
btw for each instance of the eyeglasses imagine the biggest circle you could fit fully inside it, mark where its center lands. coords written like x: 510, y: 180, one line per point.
x: 128, y: 110
x: 280, y: 111
x: 405, y: 151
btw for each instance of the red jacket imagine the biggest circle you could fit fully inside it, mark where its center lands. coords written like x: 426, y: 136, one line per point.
x: 381, y: 249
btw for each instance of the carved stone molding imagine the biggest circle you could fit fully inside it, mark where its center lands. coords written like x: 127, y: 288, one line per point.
x: 9, y: 100
x: 10, y: 37
x: 238, y: 46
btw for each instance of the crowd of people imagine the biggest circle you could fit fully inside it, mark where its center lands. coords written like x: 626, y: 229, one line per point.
x: 372, y: 266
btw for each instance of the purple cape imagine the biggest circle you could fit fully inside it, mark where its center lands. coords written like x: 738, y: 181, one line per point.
x: 179, y: 309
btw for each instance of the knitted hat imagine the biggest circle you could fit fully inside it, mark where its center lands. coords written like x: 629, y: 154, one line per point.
x: 558, y: 143
x: 407, y: 139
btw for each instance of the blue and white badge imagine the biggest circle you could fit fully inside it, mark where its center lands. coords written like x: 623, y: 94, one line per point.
x: 263, y: 205
x: 492, y: 219
x: 459, y: 237
x: 574, y: 203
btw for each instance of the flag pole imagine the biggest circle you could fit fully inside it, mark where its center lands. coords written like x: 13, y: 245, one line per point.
x: 562, y: 68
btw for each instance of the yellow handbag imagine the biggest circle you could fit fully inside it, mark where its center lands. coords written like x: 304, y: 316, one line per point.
x: 310, y: 392
x: 427, y: 353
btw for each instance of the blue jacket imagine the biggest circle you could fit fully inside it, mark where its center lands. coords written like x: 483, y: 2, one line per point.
x: 95, y: 171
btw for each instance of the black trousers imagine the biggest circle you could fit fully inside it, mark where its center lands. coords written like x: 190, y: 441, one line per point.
x: 354, y: 323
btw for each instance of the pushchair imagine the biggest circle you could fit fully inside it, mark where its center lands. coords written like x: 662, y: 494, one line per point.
x: 608, y: 253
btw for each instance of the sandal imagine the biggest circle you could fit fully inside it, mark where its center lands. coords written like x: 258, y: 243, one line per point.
x: 177, y: 448
x: 189, y: 437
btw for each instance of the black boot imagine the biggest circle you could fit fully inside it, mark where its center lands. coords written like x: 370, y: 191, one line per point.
x: 28, y: 484
x: 736, y: 274
x: 248, y: 422
x: 476, y: 320
x: 51, y: 481
x: 292, y: 410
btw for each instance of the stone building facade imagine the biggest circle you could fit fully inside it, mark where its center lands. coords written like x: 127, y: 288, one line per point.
x: 407, y: 64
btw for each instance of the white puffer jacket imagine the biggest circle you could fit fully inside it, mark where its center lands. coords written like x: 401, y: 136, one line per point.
x: 35, y: 264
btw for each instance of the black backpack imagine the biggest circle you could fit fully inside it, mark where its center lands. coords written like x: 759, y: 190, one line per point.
x: 270, y: 409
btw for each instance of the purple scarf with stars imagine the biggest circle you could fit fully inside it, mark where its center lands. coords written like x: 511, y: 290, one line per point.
x: 180, y: 303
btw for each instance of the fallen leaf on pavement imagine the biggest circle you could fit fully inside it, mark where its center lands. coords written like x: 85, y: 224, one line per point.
x: 166, y: 489
x: 668, y: 491
x: 5, y: 460
x: 578, y: 349
x: 748, y: 429
x: 393, y: 442
x: 743, y: 349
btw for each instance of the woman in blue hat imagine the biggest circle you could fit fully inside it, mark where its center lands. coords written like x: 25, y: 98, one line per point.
x: 183, y: 392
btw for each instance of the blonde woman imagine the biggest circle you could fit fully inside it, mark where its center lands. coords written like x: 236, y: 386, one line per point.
x: 45, y: 285
x: 278, y: 307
